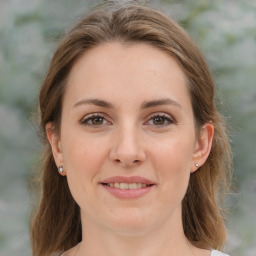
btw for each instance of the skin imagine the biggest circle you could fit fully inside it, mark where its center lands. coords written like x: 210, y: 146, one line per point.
x: 129, y: 138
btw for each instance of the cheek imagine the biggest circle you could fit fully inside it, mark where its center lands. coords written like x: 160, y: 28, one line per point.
x: 83, y: 168
x: 83, y: 158
x: 80, y: 150
x: 172, y: 161
x: 173, y: 155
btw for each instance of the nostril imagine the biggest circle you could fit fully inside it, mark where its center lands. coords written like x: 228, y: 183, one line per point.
x: 127, y: 162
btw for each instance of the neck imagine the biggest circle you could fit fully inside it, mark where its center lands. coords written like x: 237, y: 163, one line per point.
x: 165, y: 240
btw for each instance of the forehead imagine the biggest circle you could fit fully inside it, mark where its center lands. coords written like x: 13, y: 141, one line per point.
x: 126, y: 71
x: 132, y: 55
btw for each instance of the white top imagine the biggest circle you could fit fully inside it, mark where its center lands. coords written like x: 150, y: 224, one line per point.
x: 217, y: 253
x: 214, y: 253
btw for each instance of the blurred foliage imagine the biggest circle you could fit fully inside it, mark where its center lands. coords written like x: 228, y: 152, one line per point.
x: 225, y: 31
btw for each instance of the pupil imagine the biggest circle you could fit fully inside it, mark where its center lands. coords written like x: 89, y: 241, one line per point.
x: 97, y: 120
x: 158, y: 120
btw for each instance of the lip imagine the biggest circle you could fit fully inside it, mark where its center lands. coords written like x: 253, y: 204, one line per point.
x: 127, y: 193
x: 131, y: 179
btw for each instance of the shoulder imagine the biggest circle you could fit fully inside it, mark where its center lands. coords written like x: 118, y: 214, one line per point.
x: 218, y: 253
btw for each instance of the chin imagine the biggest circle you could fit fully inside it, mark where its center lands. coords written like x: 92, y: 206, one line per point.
x: 130, y: 223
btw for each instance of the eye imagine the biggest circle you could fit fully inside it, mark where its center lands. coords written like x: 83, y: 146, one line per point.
x: 94, y: 120
x: 160, y: 119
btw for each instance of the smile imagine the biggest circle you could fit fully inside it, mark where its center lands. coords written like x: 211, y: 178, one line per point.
x: 125, y: 186
x: 128, y: 187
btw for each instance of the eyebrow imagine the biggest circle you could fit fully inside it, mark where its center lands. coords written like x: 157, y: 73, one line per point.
x: 160, y: 102
x: 97, y: 102
x: 147, y: 104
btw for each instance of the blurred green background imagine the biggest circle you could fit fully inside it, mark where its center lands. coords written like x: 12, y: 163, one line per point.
x: 224, y: 30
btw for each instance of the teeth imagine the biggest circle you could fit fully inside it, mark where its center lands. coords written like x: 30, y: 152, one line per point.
x: 117, y: 185
x: 139, y: 185
x: 124, y: 186
x: 132, y: 185
x: 127, y: 185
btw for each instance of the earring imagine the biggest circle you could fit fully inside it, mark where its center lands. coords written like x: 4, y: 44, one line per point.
x: 61, y: 170
x: 197, y: 164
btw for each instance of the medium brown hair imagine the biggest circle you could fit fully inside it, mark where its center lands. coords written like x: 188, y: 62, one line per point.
x: 56, y: 223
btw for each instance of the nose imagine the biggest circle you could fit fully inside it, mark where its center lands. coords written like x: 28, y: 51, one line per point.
x: 127, y: 147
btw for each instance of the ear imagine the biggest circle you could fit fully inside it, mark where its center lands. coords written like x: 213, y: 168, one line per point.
x: 203, y: 146
x: 55, y: 142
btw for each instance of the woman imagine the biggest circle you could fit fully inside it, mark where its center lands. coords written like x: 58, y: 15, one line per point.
x: 136, y: 155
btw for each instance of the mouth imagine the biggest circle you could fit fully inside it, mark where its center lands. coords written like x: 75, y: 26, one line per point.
x: 127, y: 186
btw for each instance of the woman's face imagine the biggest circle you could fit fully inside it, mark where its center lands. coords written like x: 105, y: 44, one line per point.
x: 127, y: 141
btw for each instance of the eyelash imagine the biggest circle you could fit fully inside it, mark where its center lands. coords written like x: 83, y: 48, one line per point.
x: 165, y: 117
x: 90, y: 117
